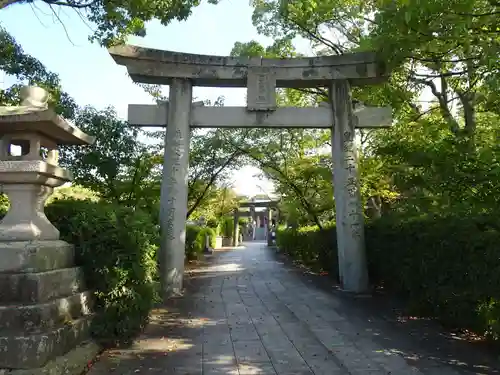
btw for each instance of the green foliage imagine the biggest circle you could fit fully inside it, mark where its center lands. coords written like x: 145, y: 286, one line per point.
x: 227, y: 227
x: 118, y: 167
x: 444, y: 267
x: 28, y: 70
x: 311, y: 247
x: 447, y: 267
x: 107, y: 165
x: 432, y: 170
x: 116, y: 246
x: 438, y: 168
x: 195, y: 240
x: 114, y: 21
x: 291, y: 158
x: 73, y: 192
x: 212, y: 223
x: 4, y: 205
x: 449, y: 49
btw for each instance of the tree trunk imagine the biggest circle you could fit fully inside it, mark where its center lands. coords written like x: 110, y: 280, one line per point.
x: 233, y: 156
x: 374, y: 207
x: 469, y: 113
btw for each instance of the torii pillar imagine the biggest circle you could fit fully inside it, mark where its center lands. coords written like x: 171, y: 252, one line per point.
x: 353, y: 271
x: 236, y: 227
x: 253, y: 221
x: 174, y: 188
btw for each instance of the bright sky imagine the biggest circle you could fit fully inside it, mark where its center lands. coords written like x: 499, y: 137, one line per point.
x: 90, y: 76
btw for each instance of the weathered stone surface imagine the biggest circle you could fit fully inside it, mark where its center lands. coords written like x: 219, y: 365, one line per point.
x: 28, y: 178
x: 41, y: 286
x: 35, y: 350
x: 353, y: 272
x: 34, y: 115
x: 75, y: 362
x: 148, y: 65
x: 236, y: 227
x: 32, y: 171
x: 35, y: 256
x: 29, y: 318
x: 174, y: 189
x: 261, y: 89
x: 41, y: 291
x: 152, y: 115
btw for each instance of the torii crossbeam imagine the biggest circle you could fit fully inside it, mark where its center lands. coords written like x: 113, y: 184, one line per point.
x: 152, y: 115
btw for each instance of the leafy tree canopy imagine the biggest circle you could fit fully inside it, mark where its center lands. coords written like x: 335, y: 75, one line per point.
x: 28, y: 70
x: 115, y: 20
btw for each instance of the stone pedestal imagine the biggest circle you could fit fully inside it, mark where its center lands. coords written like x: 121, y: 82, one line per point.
x: 45, y: 309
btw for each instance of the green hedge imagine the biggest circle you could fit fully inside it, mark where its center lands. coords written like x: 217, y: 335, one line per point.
x: 116, y: 247
x: 227, y: 227
x: 447, y: 267
x: 311, y: 247
x: 195, y: 240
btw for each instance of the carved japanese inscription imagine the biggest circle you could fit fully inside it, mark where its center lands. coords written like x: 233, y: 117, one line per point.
x: 176, y: 174
x: 261, y: 89
x: 353, y: 196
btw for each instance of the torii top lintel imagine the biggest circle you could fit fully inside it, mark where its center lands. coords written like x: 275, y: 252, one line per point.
x: 267, y: 204
x: 147, y: 65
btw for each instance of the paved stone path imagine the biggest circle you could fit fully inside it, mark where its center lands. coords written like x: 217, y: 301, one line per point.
x: 248, y: 313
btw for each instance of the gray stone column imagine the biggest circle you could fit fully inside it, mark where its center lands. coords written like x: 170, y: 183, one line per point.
x: 252, y: 219
x: 236, y: 228
x: 349, y: 211
x: 268, y: 217
x: 269, y: 214
x: 174, y: 188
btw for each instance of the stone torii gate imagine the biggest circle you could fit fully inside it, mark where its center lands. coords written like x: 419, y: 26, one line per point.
x: 261, y: 77
x: 252, y: 205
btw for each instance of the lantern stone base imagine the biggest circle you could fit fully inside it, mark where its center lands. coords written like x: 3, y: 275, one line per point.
x: 75, y: 362
x: 45, y: 309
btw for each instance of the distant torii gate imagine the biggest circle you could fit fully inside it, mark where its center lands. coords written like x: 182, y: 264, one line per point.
x: 252, y: 205
x: 261, y: 76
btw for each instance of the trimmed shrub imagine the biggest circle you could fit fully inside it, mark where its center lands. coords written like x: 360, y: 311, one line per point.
x: 227, y: 227
x: 116, y: 247
x: 73, y: 192
x: 444, y: 267
x: 195, y: 240
x: 4, y: 205
x: 312, y: 247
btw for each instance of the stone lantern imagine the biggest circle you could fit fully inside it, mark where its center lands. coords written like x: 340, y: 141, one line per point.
x: 29, y: 179
x: 44, y: 305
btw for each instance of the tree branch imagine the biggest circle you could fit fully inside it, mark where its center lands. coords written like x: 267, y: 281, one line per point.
x: 214, y: 176
x: 6, y: 3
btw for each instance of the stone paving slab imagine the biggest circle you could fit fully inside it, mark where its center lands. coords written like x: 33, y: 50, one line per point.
x: 248, y: 313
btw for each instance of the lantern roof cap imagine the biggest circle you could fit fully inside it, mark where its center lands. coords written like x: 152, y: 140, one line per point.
x: 35, y: 116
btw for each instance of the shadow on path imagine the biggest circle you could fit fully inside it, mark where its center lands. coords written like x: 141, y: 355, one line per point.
x: 248, y: 311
